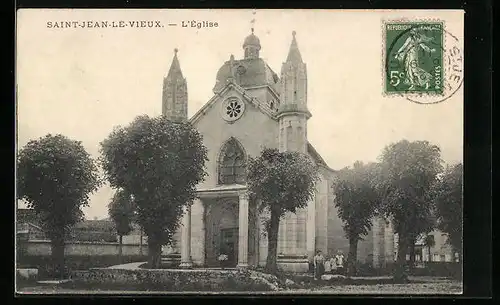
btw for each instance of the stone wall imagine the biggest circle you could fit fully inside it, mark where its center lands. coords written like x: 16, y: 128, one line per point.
x: 378, y: 242
x: 383, y: 243
x: 43, y: 248
x: 322, y: 216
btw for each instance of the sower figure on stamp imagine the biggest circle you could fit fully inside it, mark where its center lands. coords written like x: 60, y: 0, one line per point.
x: 319, y: 261
x: 408, y: 55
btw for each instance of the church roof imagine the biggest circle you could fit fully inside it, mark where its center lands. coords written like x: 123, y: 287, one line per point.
x: 250, y: 72
x: 317, y: 157
x: 230, y: 84
x: 252, y: 40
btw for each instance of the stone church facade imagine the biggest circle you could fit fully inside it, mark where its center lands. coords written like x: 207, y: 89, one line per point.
x: 252, y: 108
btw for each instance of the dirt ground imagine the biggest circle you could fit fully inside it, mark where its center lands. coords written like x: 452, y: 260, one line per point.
x: 436, y: 287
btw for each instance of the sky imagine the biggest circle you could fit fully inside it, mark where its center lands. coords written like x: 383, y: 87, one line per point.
x: 82, y: 82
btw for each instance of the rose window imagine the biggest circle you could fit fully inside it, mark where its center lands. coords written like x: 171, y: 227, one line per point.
x: 232, y: 109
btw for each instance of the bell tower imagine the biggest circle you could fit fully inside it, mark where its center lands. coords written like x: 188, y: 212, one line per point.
x: 175, y: 96
x: 251, y: 46
x: 293, y: 113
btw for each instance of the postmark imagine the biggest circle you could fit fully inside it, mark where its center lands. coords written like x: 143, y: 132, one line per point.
x: 422, y: 61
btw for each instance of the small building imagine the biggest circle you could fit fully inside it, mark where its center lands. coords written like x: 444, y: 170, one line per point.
x: 441, y: 251
x: 30, y: 227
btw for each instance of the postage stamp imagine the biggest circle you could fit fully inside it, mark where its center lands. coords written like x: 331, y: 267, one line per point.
x: 414, y: 57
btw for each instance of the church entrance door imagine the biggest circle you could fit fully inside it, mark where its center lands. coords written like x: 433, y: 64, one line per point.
x: 229, y: 245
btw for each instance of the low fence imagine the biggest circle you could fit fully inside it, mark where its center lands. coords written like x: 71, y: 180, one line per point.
x: 77, y: 255
x: 80, y: 248
x: 440, y: 269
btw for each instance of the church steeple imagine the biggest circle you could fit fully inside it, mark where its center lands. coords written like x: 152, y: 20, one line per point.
x: 294, y: 53
x: 174, y: 99
x: 293, y: 80
x: 293, y: 113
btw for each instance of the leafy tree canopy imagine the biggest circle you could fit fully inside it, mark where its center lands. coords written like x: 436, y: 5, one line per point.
x: 121, y: 209
x: 159, y: 163
x: 284, y: 181
x: 408, y: 171
x: 448, y: 201
x: 356, y: 198
x: 55, y: 176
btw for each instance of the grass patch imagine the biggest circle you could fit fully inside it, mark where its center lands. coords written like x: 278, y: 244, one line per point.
x: 45, y: 264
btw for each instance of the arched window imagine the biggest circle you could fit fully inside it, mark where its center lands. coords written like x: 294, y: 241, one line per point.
x: 232, y: 163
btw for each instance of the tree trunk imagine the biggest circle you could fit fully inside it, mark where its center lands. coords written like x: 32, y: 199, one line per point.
x: 400, y: 274
x: 57, y: 247
x: 272, y: 242
x: 352, y: 257
x: 154, y: 253
x: 429, y: 250
x: 120, y: 248
x: 140, y: 242
x: 411, y: 264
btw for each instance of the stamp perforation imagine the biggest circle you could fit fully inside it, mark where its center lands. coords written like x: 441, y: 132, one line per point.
x: 384, y: 23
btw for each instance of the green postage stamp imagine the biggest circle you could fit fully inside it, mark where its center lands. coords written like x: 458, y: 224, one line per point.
x: 414, y: 57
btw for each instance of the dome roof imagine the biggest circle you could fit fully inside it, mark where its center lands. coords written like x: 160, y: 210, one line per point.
x: 254, y: 72
x: 252, y: 40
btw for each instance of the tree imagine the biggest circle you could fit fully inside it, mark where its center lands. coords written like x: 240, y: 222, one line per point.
x: 356, y: 202
x: 448, y: 202
x: 55, y: 176
x: 408, y: 172
x: 283, y: 182
x: 159, y: 162
x: 121, y: 210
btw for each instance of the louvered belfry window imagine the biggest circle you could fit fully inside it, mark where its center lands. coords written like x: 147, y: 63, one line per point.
x: 232, y: 164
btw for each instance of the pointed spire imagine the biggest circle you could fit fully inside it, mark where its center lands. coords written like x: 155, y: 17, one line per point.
x: 294, y: 53
x: 175, y: 67
x: 175, y: 95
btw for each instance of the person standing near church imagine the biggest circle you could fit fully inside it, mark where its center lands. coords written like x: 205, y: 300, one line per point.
x: 340, y: 262
x: 319, y: 261
x: 333, y: 264
x: 328, y: 266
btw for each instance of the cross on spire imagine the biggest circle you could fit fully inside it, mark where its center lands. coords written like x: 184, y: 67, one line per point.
x: 252, y: 22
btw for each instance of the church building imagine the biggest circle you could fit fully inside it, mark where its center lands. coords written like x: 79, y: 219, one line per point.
x: 253, y: 107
